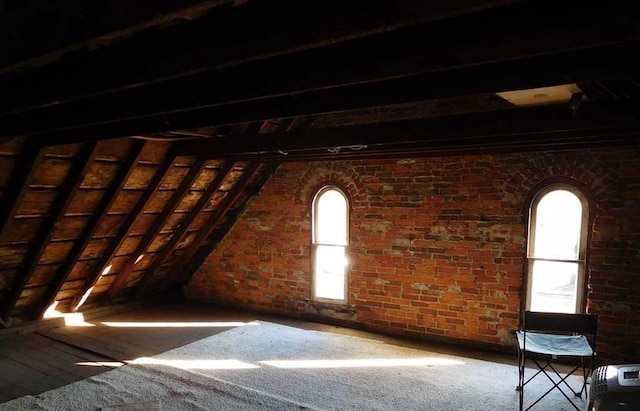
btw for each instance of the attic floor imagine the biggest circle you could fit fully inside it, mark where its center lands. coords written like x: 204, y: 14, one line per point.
x: 48, y: 358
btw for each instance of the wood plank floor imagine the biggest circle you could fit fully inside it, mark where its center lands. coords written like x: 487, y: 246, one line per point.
x: 48, y: 358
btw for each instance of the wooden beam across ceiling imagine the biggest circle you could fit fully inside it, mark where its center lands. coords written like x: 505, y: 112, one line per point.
x: 383, y: 57
x: 582, y: 66
x: 220, y: 40
x: 515, y: 129
x: 73, y: 25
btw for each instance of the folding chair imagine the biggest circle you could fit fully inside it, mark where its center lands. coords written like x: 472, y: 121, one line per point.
x: 546, y: 338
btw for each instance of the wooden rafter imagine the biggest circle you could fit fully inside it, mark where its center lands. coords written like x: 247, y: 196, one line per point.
x: 216, y: 217
x: 125, y: 229
x: 325, y: 23
x: 177, y: 236
x: 85, y: 237
x: 18, y: 183
x: 65, y: 195
x: 541, y: 71
x: 17, y: 186
x: 215, y: 236
x: 529, y: 128
x: 305, y: 71
x: 76, y: 25
x: 156, y: 227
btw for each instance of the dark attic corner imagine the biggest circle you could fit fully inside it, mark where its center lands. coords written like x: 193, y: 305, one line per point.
x: 420, y: 169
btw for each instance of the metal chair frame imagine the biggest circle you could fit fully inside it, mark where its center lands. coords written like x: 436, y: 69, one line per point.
x: 554, y: 327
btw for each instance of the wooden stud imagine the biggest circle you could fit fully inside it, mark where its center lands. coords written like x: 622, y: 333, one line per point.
x: 126, y: 227
x: 100, y: 213
x: 17, y: 186
x: 18, y: 183
x: 160, y: 258
x: 155, y: 229
x: 66, y: 194
x: 216, y: 216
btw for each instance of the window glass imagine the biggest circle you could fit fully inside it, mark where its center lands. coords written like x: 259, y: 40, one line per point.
x: 554, y: 286
x: 558, y: 225
x: 556, y: 250
x: 330, y: 263
x: 332, y: 218
x: 331, y: 234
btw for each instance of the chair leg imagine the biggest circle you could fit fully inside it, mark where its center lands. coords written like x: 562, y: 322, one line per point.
x: 542, y: 368
x: 520, y: 387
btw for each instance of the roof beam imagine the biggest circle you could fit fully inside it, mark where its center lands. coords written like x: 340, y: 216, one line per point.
x: 220, y: 40
x: 553, y: 126
x: 85, y: 237
x: 78, y: 25
x: 66, y: 194
x: 156, y: 227
x: 379, y: 58
x: 202, y: 202
x: 125, y: 229
x: 18, y: 183
x: 578, y: 66
x: 216, y: 217
x: 16, y: 188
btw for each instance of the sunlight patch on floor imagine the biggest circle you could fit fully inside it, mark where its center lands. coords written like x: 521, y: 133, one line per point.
x: 164, y: 324
x: 196, y: 364
x: 358, y: 363
x: 70, y: 319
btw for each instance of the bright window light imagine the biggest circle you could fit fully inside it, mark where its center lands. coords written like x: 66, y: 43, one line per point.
x: 556, y: 250
x: 330, y: 240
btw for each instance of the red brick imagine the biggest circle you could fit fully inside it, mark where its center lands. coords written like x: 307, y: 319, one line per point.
x: 440, y: 222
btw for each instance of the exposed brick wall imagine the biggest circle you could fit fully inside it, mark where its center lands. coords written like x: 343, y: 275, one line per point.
x: 437, y: 245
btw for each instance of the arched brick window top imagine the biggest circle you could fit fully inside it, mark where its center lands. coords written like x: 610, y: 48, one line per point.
x: 556, y: 249
x: 330, y: 213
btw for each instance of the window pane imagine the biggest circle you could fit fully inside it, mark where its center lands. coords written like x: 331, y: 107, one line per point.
x: 332, y: 218
x: 558, y: 221
x: 554, y: 286
x: 330, y: 266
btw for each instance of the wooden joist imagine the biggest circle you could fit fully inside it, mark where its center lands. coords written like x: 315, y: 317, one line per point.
x: 553, y: 126
x: 219, y: 40
x: 75, y: 25
x: 382, y: 57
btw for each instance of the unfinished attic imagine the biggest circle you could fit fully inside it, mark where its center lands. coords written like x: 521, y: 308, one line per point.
x: 388, y: 167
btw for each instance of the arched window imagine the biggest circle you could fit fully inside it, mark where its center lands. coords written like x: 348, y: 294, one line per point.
x: 557, y: 243
x: 330, y: 240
